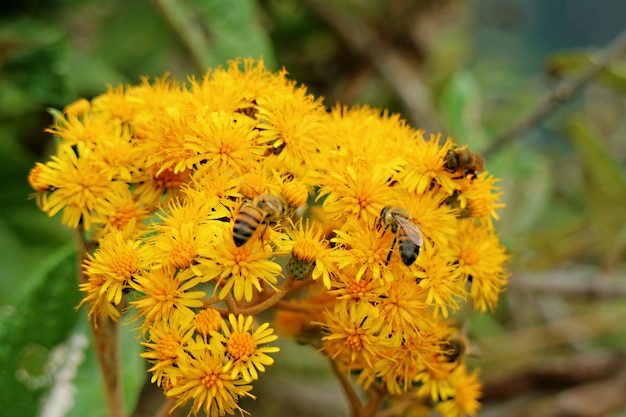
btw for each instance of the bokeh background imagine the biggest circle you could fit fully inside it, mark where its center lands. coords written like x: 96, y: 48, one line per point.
x: 470, y: 69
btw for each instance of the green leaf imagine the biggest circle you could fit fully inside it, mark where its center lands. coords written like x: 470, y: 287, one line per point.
x: 41, y: 318
x: 215, y: 32
x: 33, y: 54
x: 234, y: 31
x: 605, y: 184
x: 459, y: 107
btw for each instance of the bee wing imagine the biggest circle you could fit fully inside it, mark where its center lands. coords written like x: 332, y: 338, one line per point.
x: 274, y: 206
x: 412, y: 231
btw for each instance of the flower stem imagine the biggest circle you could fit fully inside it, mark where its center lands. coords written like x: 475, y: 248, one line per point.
x: 105, y: 334
x: 356, y: 408
x: 376, y: 398
x: 270, y: 301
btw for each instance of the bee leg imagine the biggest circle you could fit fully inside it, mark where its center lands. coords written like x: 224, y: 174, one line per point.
x: 393, y: 244
x: 262, y: 235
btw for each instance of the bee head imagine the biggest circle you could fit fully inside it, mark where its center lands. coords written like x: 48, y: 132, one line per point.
x: 451, y: 160
x: 273, y: 207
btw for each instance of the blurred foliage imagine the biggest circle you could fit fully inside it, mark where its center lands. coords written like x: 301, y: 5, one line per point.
x: 482, y: 64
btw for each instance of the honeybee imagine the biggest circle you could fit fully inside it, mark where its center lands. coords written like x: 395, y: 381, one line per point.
x: 408, y: 234
x: 456, y: 347
x: 464, y: 161
x: 264, y: 209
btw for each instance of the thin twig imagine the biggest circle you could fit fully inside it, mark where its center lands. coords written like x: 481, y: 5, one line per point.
x: 355, y: 404
x: 303, y: 307
x: 401, y: 76
x: 564, y: 91
x: 377, y: 396
x: 562, y: 283
x: 166, y: 410
x: 598, y: 321
x: 105, y: 334
x: 232, y: 304
x: 271, y: 300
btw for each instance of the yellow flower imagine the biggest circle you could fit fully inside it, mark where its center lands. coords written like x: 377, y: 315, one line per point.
x: 116, y: 105
x: 223, y: 141
x: 166, y: 296
x: 309, y: 252
x: 110, y: 272
x: 160, y: 172
x: 436, y: 380
x: 202, y: 376
x: 356, y: 334
x: 186, y: 228
x: 467, y: 391
x: 235, y: 88
x: 207, y: 321
x: 129, y: 216
x: 290, y: 121
x: 441, y: 279
x: 80, y: 184
x: 399, y: 367
x: 87, y: 129
x: 37, y: 179
x: 346, y: 286
x: 482, y: 196
x: 208, y: 185
x: 361, y: 191
x: 161, y: 185
x: 166, y: 342
x: 437, y: 222
x: 425, y: 161
x: 362, y: 134
x: 122, y: 153
x: 361, y: 245
x: 242, y: 346
x: 482, y: 261
x: 239, y: 270
x: 403, y: 304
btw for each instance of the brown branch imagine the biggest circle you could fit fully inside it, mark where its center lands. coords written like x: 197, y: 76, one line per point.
x: 567, y: 283
x: 166, y: 410
x: 551, y: 373
x: 208, y: 302
x: 377, y: 395
x: 105, y: 334
x: 231, y: 304
x: 401, y: 76
x: 353, y: 399
x: 564, y: 91
x: 271, y: 300
x: 593, y: 399
x: 511, y: 346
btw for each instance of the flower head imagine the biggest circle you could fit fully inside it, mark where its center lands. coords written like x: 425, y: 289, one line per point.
x: 203, y: 378
x: 166, y: 296
x: 214, y: 185
x: 242, y: 345
x: 110, y: 272
x: 239, y: 270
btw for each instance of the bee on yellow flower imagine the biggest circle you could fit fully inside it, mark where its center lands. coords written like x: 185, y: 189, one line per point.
x: 209, y: 202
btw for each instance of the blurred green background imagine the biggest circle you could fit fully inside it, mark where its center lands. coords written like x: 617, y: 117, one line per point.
x: 469, y: 69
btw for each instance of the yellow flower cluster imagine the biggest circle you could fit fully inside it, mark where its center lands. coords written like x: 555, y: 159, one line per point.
x: 211, y: 201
